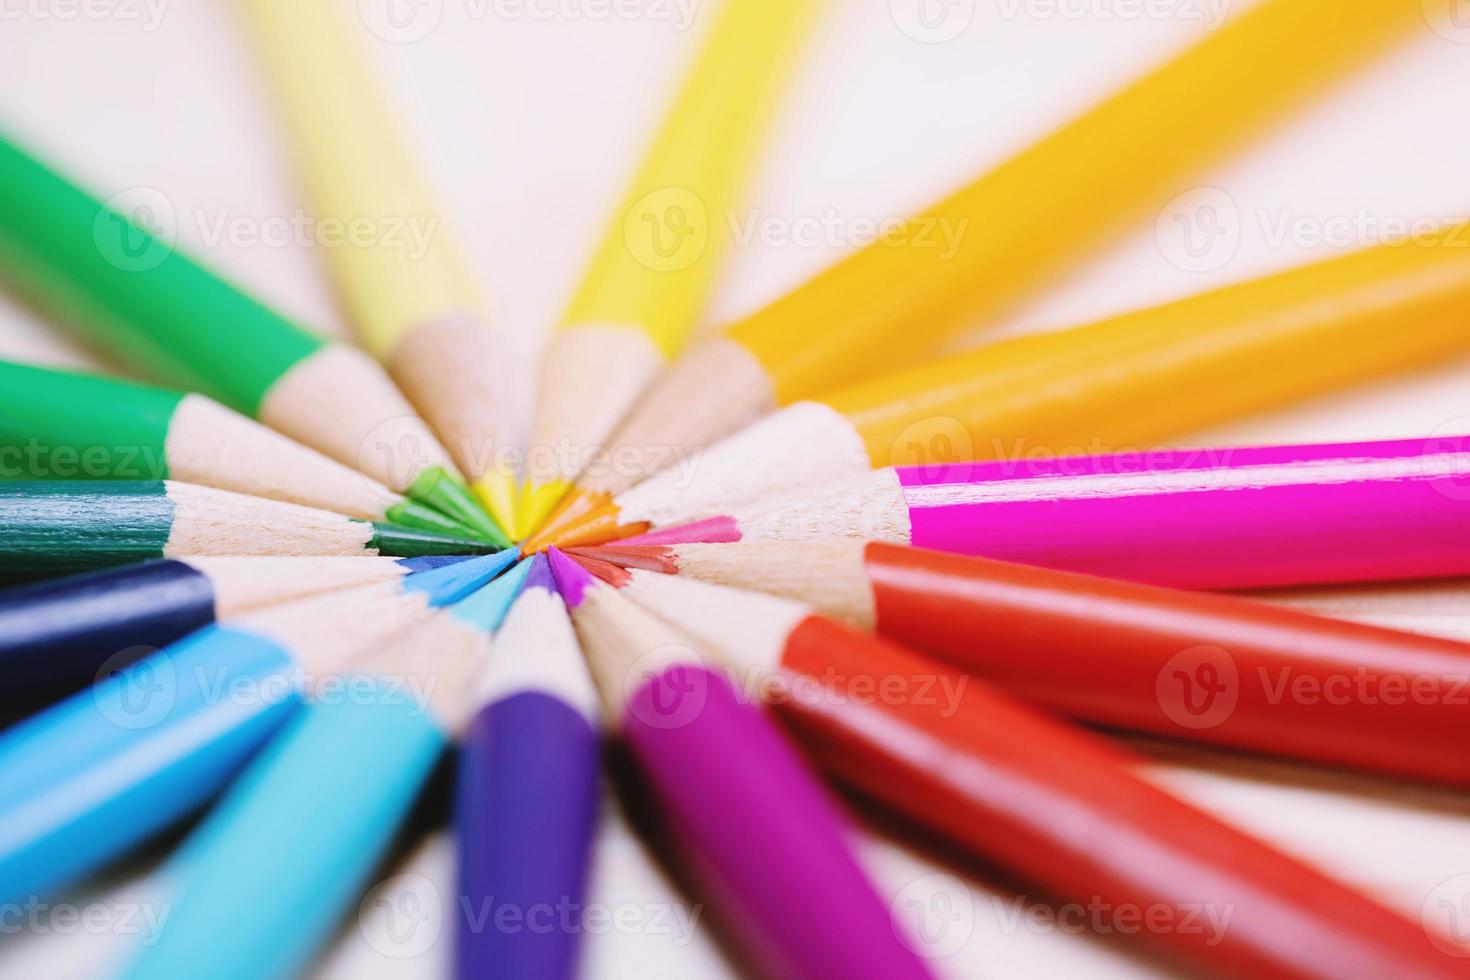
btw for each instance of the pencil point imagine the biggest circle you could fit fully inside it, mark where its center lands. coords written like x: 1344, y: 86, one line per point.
x: 445, y: 492
x: 453, y: 583
x: 595, y: 526
x: 613, y: 575
x: 711, y: 530
x: 408, y: 542
x: 536, y: 503
x: 572, y: 579
x: 496, y: 491
x: 652, y: 558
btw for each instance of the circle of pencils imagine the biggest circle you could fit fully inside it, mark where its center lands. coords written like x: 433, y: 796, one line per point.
x: 304, y: 605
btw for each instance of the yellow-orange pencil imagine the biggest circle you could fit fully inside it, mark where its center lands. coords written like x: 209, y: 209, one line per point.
x: 406, y: 291
x: 896, y: 300
x: 1116, y: 384
x: 650, y: 275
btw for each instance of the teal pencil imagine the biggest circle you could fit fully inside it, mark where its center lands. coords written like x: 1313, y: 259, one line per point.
x: 52, y: 528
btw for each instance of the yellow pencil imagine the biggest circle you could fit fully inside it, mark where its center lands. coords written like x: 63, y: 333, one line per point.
x: 405, y: 288
x: 1117, y: 384
x: 896, y: 300
x: 650, y: 275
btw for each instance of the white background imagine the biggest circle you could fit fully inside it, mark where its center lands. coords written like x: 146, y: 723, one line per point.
x: 529, y: 116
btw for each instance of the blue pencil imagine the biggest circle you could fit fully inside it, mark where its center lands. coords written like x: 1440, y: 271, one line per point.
x: 526, y: 801
x: 260, y: 889
x: 90, y: 777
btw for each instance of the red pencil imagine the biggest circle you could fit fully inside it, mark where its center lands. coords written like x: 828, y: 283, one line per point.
x: 1206, y: 667
x: 1047, y: 801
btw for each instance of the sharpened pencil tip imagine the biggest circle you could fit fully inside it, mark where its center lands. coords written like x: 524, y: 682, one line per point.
x: 572, y: 580
x: 596, y: 525
x: 652, y: 558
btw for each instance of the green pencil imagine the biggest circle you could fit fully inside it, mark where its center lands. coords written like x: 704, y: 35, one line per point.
x: 132, y: 294
x: 53, y: 527
x: 65, y: 425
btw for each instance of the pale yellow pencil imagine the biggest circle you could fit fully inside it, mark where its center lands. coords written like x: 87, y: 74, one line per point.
x: 398, y: 273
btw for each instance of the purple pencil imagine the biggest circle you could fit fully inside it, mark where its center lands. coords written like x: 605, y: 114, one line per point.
x: 762, y: 835
x: 526, y: 804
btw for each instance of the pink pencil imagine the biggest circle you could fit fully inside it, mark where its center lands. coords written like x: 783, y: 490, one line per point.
x: 1217, y: 518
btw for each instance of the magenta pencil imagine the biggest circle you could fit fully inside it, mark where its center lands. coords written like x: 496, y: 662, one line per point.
x: 1203, y: 518
x: 760, y: 832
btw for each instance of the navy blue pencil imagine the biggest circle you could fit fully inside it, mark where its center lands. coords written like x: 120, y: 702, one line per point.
x: 59, y: 636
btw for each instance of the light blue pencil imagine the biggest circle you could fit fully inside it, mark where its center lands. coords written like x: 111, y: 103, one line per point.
x: 258, y: 888
x: 96, y: 774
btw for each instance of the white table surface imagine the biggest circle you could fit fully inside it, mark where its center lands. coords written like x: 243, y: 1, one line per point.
x: 529, y: 116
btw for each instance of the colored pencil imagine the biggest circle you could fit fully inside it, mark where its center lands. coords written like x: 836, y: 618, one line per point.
x: 1193, y: 665
x: 640, y: 296
x: 767, y: 840
x: 969, y: 257
x: 1223, y: 518
x: 259, y: 890
x: 57, y: 636
x: 1209, y: 357
x: 133, y: 294
x: 1049, y: 802
x: 414, y: 306
x: 51, y: 527
x: 107, y: 768
x: 67, y: 425
x: 525, y: 818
